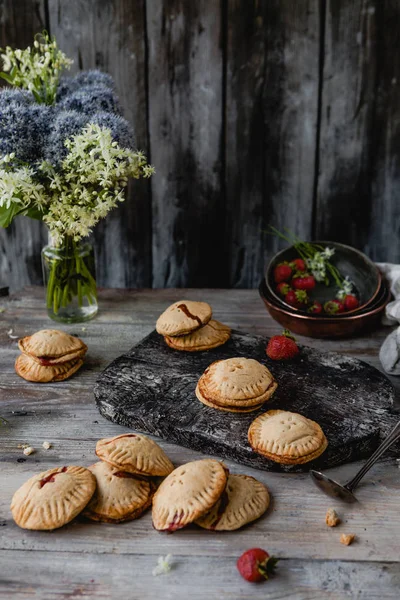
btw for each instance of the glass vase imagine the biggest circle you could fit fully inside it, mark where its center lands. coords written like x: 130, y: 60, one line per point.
x: 70, y: 281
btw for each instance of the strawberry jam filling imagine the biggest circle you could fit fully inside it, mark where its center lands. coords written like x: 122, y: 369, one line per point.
x: 175, y: 523
x: 187, y: 312
x: 46, y: 362
x: 50, y: 478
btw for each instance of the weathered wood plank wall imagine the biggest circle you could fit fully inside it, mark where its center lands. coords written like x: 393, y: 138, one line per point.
x: 253, y: 112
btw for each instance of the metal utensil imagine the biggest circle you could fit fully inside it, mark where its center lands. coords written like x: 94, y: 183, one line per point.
x: 345, y: 492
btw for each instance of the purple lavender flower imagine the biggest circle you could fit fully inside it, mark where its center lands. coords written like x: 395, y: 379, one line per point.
x: 66, y: 124
x: 91, y: 99
x: 24, y: 129
x: 121, y: 130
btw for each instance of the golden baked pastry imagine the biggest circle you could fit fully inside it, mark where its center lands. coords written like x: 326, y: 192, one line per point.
x: 134, y: 453
x: 210, y: 336
x: 245, y: 499
x: 30, y: 370
x: 119, y: 496
x: 183, y: 317
x: 234, y: 409
x: 50, y: 347
x: 53, y: 498
x: 237, y: 383
x: 188, y: 493
x: 286, y: 437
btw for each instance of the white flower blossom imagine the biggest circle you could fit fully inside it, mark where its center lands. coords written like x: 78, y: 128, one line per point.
x: 346, y: 289
x: 73, y: 198
x: 327, y: 253
x: 163, y: 565
x: 36, y: 69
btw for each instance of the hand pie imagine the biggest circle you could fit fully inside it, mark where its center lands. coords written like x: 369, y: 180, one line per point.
x: 244, y: 500
x: 119, y: 496
x: 286, y: 437
x: 52, y: 498
x: 30, y: 370
x: 51, y: 347
x: 183, y: 317
x: 135, y: 454
x: 236, y: 383
x: 188, y: 493
x: 210, y: 336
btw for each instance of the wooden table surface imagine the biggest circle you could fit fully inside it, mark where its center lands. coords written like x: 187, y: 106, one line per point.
x: 94, y: 560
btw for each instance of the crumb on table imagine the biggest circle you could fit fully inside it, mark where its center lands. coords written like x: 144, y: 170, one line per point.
x: 347, y: 538
x: 29, y: 450
x: 332, y: 518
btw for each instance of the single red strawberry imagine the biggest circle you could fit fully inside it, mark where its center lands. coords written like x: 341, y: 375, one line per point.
x: 298, y: 264
x: 303, y: 282
x: 333, y: 307
x: 350, y: 302
x: 315, y: 308
x: 256, y: 565
x: 283, y: 288
x: 282, y: 347
x: 282, y: 273
x: 296, y: 298
x: 291, y: 299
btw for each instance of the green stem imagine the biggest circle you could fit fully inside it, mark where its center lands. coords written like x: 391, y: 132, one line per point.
x: 69, y: 277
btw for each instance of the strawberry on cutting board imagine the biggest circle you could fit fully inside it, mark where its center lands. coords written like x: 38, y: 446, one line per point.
x: 282, y: 347
x: 256, y: 565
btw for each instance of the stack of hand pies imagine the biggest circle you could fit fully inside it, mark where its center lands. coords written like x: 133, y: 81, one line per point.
x: 204, y: 493
x: 49, y: 355
x: 187, y: 325
x: 236, y: 385
x: 117, y: 489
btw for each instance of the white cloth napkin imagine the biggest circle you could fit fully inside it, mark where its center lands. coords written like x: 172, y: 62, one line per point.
x: 389, y: 353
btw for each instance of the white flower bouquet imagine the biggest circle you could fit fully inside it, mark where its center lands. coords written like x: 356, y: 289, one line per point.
x: 66, y: 155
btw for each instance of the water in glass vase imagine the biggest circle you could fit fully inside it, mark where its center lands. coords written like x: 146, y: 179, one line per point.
x: 70, y: 281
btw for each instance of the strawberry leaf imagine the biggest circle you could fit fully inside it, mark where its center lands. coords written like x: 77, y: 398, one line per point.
x: 267, y: 567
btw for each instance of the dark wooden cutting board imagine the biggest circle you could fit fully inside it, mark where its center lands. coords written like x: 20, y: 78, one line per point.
x: 152, y: 390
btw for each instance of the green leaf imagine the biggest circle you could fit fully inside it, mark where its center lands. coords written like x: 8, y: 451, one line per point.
x: 8, y: 214
x: 7, y: 77
x: 38, y: 97
x: 33, y: 212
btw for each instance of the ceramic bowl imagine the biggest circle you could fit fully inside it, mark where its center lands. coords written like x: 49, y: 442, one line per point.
x: 331, y: 327
x: 362, y: 272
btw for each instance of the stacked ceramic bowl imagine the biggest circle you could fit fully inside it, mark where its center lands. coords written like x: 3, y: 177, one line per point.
x: 371, y: 290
